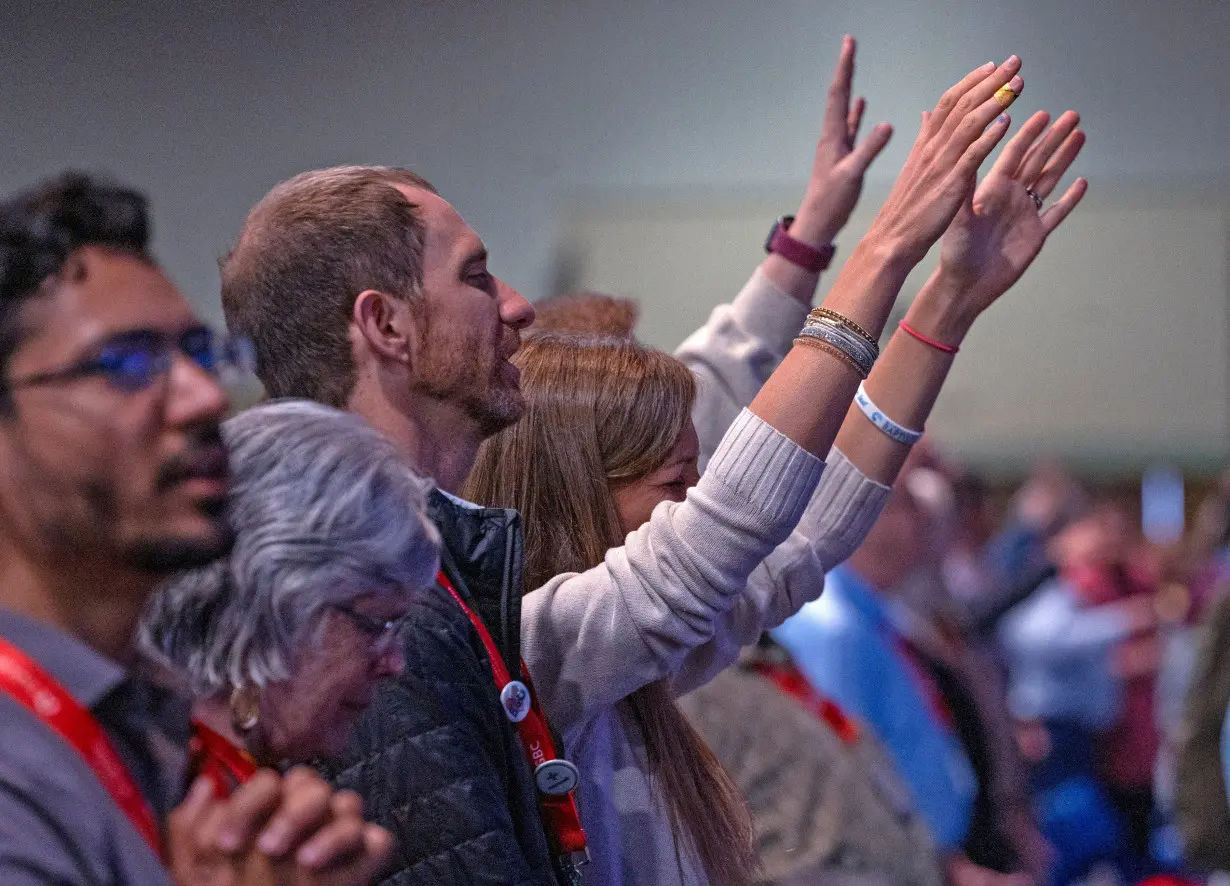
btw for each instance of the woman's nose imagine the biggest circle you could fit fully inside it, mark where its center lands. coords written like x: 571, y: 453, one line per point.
x: 391, y: 661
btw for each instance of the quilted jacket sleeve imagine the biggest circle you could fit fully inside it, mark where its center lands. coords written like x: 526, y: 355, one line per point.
x: 439, y: 766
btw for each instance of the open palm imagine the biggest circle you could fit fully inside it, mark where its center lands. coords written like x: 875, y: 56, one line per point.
x: 999, y: 231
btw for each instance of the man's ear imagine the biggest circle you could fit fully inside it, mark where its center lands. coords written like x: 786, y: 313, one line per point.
x: 384, y: 326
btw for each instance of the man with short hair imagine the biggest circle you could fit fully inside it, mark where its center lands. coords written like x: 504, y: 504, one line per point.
x: 114, y: 476
x: 362, y: 287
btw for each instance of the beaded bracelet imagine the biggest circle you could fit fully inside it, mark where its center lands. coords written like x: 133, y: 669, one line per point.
x: 822, y: 345
x: 841, y: 337
x: 840, y: 318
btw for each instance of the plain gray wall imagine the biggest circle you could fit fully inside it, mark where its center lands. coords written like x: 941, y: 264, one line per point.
x: 512, y: 107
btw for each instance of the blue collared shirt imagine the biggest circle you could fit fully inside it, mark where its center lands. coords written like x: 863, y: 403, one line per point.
x: 845, y: 645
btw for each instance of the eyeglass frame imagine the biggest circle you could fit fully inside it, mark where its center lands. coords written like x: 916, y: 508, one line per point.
x: 218, y: 354
x: 385, y: 632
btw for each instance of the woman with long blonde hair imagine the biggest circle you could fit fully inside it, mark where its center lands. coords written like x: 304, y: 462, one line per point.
x: 649, y: 578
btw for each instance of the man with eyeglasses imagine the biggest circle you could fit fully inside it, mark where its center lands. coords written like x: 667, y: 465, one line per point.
x: 113, y: 476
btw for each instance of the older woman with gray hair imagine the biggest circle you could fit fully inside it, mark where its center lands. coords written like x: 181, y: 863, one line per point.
x: 285, y: 640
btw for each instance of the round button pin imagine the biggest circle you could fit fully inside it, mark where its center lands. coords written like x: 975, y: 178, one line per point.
x: 556, y: 777
x: 515, y: 698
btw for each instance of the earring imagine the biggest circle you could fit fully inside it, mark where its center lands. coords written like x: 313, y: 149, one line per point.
x: 245, y: 708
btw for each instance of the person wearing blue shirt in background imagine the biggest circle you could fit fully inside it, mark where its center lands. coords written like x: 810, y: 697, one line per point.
x: 849, y: 649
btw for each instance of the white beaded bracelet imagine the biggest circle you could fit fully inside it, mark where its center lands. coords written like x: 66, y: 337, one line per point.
x: 883, y: 422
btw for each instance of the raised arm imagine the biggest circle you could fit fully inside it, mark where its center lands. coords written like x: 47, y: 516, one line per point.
x: 743, y: 342
x: 993, y: 239
x: 805, y: 398
x: 997, y: 233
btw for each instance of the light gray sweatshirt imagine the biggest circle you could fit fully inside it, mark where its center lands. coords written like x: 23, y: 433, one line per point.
x: 686, y: 591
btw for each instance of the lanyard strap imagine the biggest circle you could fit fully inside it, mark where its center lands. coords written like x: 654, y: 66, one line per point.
x: 559, y: 811
x: 924, y: 682
x: 35, y: 689
x: 214, y: 757
x: 788, y: 678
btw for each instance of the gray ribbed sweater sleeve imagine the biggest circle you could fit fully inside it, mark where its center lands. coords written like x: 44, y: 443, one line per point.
x: 590, y: 639
x: 735, y: 351
x: 837, y: 519
x: 732, y: 356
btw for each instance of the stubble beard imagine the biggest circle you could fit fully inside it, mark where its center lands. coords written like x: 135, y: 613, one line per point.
x: 452, y: 374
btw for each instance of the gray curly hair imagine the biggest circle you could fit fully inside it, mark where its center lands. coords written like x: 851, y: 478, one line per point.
x: 324, y: 511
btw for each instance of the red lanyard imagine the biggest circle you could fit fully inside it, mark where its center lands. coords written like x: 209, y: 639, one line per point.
x: 38, y: 692
x: 559, y: 810
x: 215, y: 758
x: 789, y: 680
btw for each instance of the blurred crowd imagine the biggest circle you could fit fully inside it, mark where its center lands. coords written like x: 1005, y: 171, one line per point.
x: 490, y: 592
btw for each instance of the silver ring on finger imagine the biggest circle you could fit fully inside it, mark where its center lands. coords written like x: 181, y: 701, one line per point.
x: 1033, y: 195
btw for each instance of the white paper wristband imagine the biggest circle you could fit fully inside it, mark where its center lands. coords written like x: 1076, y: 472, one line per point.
x: 883, y: 422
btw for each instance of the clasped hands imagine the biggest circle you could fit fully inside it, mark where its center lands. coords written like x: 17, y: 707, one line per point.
x: 275, y: 830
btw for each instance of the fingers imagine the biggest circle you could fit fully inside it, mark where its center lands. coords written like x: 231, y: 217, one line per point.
x: 377, y: 849
x: 984, y: 90
x: 976, y: 153
x: 863, y: 155
x: 973, y: 126
x: 855, y: 120
x: 980, y: 76
x: 1059, y: 210
x: 1036, y: 159
x: 1059, y: 164
x: 339, y: 841
x: 1009, y: 160
x: 188, y: 815
x: 346, y: 803
x: 837, y: 112
x: 305, y: 807
x: 237, y: 822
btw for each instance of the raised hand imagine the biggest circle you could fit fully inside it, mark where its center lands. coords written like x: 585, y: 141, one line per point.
x: 1001, y: 228
x: 839, y: 165
x: 938, y: 176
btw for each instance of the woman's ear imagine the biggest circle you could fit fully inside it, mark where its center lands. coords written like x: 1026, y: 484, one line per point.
x: 383, y: 325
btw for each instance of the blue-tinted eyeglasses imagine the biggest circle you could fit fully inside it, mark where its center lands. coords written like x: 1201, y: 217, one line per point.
x: 133, y: 360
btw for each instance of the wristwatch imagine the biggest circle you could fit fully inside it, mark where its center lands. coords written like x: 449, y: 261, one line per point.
x: 809, y: 258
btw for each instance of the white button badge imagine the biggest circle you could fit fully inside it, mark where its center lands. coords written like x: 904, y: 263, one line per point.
x: 556, y: 777
x: 515, y: 698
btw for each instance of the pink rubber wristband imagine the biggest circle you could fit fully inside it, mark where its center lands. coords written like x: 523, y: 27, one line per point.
x: 938, y: 345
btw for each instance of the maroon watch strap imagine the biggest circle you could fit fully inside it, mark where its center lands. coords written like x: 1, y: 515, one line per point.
x: 796, y: 251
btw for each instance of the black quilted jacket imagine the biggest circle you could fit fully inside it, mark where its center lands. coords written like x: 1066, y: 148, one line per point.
x: 434, y: 758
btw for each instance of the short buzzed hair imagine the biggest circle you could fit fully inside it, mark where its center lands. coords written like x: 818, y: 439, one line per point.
x: 307, y: 249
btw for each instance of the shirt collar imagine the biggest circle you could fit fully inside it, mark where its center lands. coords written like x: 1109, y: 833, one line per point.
x: 858, y: 593
x: 86, y: 674
x: 459, y: 501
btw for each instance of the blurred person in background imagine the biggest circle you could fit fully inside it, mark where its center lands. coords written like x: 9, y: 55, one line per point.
x: 828, y: 807
x: 115, y: 477
x: 945, y: 630
x: 286, y: 638
x: 849, y: 648
x: 1083, y: 655
x: 1202, y: 739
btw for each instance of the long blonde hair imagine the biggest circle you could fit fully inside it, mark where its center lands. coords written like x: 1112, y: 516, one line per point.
x: 602, y: 412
